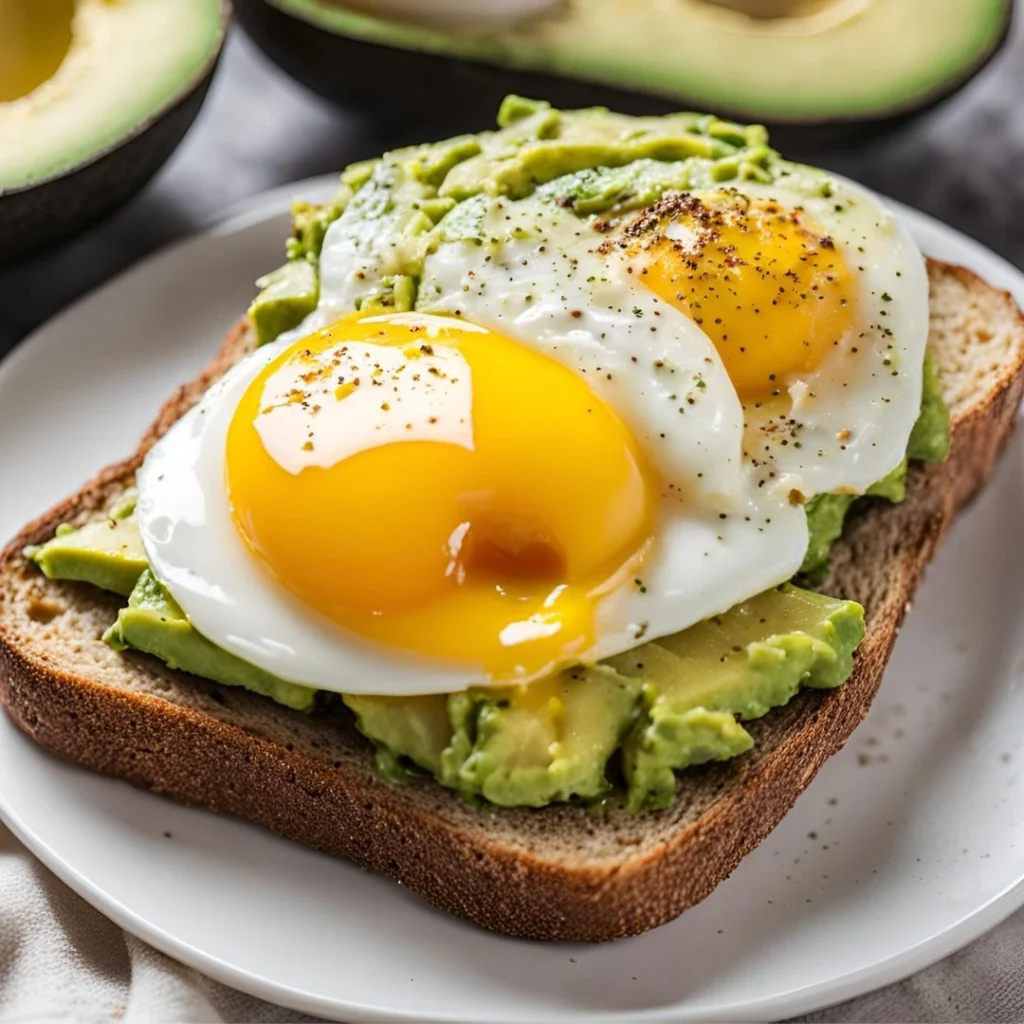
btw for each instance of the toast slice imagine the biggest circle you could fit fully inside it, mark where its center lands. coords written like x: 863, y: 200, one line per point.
x: 557, y: 873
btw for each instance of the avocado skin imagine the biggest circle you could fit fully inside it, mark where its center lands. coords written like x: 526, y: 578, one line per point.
x: 463, y: 95
x: 38, y: 216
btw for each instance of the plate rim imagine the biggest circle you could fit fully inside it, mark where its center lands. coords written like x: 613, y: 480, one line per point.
x: 809, y: 998
x: 795, y: 1003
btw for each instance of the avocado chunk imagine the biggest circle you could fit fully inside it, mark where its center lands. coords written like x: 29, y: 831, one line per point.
x: 929, y: 440
x: 63, y: 69
x: 826, y: 517
x: 395, y: 294
x: 668, y: 704
x: 310, y: 222
x: 530, y: 746
x: 699, y: 684
x: 287, y: 296
x: 107, y: 552
x: 525, y: 746
x: 791, y: 61
x: 642, y: 182
x: 153, y: 623
x: 826, y: 514
x: 405, y: 729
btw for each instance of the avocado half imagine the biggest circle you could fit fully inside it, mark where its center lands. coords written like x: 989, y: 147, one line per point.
x: 821, y: 70
x: 94, y: 97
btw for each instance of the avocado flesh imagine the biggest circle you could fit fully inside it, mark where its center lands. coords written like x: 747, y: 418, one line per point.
x: 288, y: 295
x: 548, y: 742
x: 125, y: 62
x: 526, y: 746
x: 929, y: 442
x: 826, y: 62
x: 153, y: 623
x: 697, y: 684
x: 412, y: 729
x: 107, y: 552
x: 591, y: 159
x: 539, y: 744
x: 668, y: 704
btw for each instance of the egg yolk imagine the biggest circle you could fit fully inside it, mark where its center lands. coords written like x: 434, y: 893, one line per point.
x: 770, y: 289
x: 440, y: 489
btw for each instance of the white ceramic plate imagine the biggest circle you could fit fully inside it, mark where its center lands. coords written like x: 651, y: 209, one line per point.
x: 909, y: 844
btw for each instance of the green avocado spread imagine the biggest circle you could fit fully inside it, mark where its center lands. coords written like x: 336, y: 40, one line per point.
x: 636, y: 718
x: 592, y: 161
x: 629, y: 724
x: 633, y: 720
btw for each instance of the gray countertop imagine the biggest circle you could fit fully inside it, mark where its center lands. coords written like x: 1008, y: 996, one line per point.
x: 964, y: 164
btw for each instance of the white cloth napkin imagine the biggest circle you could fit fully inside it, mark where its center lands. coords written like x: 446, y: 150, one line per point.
x: 61, y: 961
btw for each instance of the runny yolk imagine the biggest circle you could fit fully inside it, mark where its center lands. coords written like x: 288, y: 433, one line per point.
x: 769, y: 288
x: 356, y: 479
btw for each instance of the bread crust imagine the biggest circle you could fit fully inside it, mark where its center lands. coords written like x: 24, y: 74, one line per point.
x: 517, y: 872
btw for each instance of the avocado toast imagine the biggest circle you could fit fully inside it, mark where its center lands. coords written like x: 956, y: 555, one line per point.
x: 570, y: 872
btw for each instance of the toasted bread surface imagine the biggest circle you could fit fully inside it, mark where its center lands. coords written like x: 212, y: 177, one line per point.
x: 558, y: 873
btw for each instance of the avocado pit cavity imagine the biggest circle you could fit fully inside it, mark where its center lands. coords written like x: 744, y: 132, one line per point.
x: 799, y: 17
x: 35, y: 36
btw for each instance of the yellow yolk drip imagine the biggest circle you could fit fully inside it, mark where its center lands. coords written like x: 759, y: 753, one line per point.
x: 771, y: 290
x: 35, y: 36
x: 494, y: 555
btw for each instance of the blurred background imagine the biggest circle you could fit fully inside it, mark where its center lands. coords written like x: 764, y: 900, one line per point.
x: 259, y: 128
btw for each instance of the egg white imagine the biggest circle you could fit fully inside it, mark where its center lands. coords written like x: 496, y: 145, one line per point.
x: 537, y: 279
x: 704, y: 560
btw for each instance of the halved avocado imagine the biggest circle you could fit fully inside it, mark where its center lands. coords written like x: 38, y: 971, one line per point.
x: 94, y: 96
x: 783, y: 62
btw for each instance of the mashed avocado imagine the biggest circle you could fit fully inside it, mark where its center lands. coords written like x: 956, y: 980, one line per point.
x: 106, y: 552
x: 632, y: 722
x: 661, y: 707
x: 538, y: 744
x: 520, y: 746
x: 699, y: 684
x: 591, y: 160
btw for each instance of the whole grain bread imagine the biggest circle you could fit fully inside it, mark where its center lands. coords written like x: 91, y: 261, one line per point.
x: 557, y: 873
